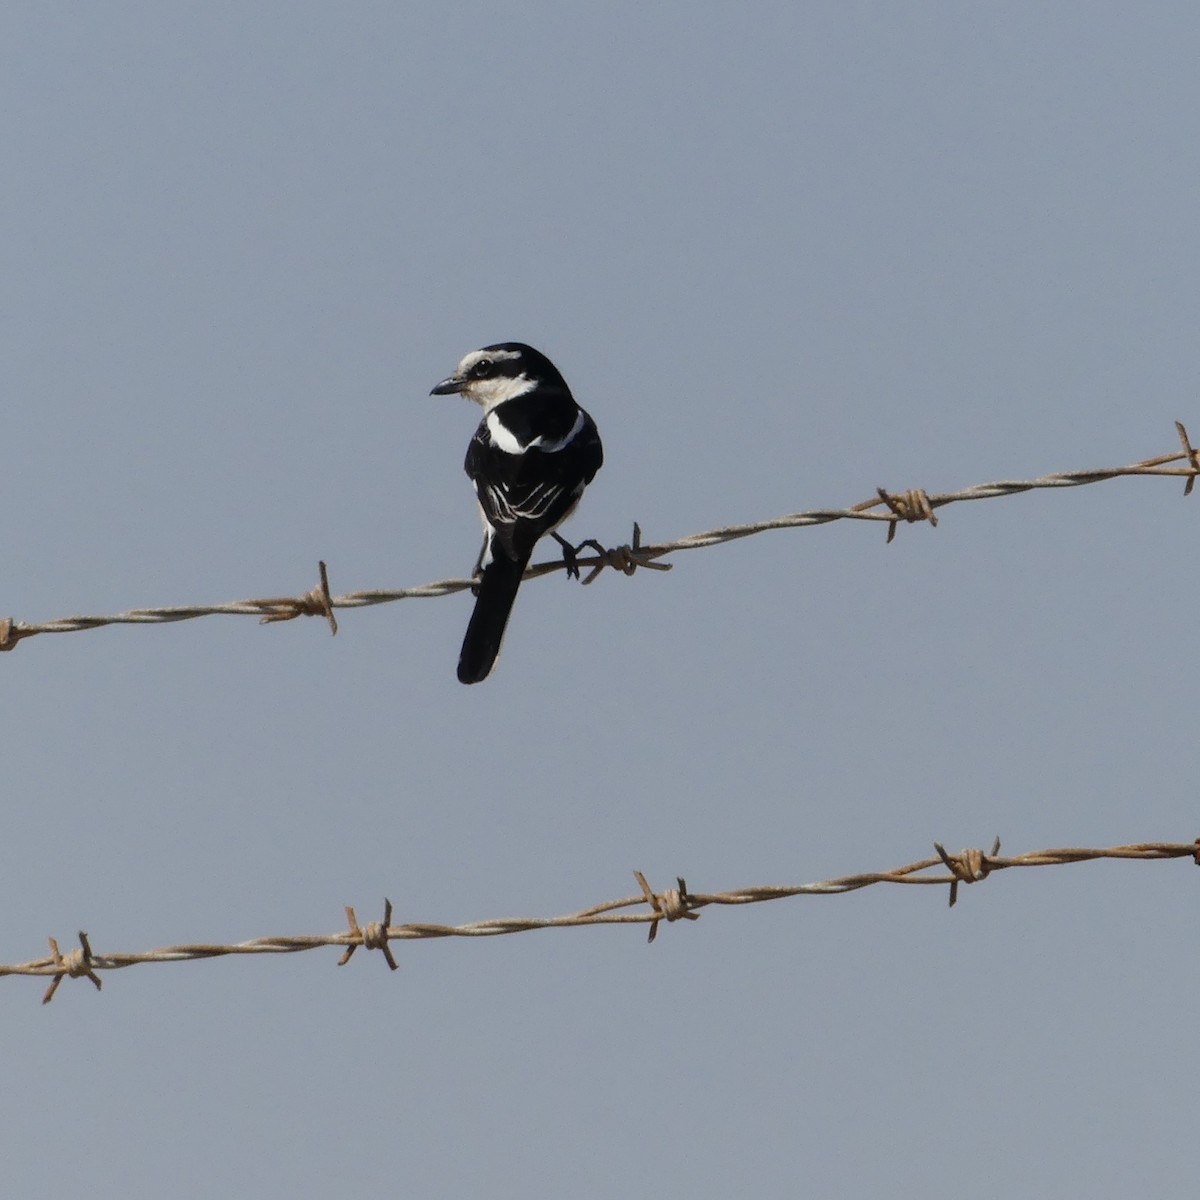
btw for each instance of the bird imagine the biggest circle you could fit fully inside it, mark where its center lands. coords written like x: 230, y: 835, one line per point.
x: 531, y: 458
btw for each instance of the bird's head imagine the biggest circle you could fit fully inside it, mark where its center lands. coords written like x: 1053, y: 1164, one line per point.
x: 500, y: 372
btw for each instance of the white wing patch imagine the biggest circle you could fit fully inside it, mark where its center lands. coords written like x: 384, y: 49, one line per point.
x: 504, y: 439
x: 553, y: 447
x: 533, y: 506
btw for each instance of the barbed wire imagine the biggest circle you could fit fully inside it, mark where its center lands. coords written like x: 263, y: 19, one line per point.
x: 889, y: 507
x: 672, y: 904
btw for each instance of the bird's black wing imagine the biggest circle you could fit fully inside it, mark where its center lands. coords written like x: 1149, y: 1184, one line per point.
x: 526, y: 494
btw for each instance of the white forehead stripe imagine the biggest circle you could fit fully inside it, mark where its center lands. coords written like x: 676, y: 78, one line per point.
x: 479, y: 355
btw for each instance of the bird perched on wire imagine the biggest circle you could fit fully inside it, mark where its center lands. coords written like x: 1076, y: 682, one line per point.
x: 530, y: 459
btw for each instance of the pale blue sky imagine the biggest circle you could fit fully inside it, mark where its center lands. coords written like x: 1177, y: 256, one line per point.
x: 784, y: 253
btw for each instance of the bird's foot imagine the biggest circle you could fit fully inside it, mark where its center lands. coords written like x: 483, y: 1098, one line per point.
x: 571, y: 553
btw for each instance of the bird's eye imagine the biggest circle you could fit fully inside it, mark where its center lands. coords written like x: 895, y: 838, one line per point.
x: 482, y: 368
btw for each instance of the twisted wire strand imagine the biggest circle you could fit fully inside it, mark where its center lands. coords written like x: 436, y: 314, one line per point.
x: 888, y: 507
x: 651, y: 907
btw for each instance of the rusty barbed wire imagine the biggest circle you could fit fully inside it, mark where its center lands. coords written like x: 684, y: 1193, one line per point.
x: 909, y: 506
x: 672, y: 904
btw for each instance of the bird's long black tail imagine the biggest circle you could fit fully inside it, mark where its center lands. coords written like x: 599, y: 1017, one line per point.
x: 497, y: 591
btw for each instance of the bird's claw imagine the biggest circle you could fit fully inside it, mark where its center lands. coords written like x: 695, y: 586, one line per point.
x: 571, y: 553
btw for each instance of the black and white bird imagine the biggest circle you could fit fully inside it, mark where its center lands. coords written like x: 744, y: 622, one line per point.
x: 530, y: 459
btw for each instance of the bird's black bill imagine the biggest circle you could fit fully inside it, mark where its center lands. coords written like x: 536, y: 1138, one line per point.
x: 448, y: 387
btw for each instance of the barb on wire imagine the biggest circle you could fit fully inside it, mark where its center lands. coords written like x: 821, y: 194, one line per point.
x: 649, y: 908
x: 909, y: 506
